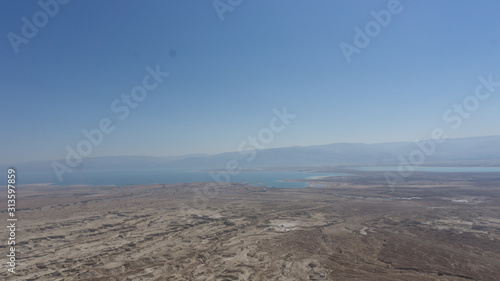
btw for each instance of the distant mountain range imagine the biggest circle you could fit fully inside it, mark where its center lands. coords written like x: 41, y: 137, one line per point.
x: 462, y: 151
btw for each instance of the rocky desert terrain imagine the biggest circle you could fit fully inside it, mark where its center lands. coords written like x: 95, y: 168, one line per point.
x: 432, y: 227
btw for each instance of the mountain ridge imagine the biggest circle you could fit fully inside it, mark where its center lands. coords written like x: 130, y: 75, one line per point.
x: 452, y: 150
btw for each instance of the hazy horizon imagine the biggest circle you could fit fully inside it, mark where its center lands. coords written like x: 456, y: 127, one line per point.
x: 250, y: 140
x: 195, y: 155
x: 221, y: 152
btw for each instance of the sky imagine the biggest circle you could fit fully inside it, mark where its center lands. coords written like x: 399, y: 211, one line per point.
x: 229, y: 67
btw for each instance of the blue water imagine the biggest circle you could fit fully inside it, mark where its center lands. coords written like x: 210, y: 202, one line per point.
x: 164, y: 176
x: 432, y: 169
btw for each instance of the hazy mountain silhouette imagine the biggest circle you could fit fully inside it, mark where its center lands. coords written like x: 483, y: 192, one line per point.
x: 476, y: 150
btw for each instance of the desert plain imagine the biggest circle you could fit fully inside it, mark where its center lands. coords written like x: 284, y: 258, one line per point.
x: 432, y: 226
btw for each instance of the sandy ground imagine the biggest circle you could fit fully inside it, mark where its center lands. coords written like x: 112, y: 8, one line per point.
x: 346, y: 230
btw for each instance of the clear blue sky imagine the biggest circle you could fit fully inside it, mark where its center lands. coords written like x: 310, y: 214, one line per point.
x: 227, y: 76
